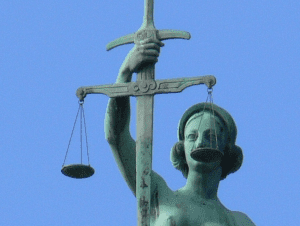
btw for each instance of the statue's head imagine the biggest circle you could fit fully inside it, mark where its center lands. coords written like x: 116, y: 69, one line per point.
x: 201, y: 114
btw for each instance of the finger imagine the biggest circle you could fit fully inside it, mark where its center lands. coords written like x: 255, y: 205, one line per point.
x: 151, y: 46
x: 147, y: 50
x: 150, y: 52
x: 149, y: 59
x: 161, y: 43
x: 150, y: 40
x: 147, y: 40
x: 158, y: 42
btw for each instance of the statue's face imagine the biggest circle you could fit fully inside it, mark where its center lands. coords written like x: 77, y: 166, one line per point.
x: 196, y: 136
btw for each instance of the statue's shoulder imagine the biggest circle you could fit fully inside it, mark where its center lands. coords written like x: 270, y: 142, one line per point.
x: 242, y: 219
x: 159, y: 185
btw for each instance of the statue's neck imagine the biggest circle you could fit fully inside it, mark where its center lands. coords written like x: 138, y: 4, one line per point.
x: 203, y: 186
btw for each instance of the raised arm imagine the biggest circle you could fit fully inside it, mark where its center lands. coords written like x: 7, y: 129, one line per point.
x: 117, y: 118
x: 117, y: 133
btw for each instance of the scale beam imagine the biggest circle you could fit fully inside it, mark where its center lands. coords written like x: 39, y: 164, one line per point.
x: 148, y: 87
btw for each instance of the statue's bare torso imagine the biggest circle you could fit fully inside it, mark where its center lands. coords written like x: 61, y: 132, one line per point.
x: 176, y: 208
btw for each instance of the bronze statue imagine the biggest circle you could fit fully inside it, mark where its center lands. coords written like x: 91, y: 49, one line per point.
x: 196, y: 204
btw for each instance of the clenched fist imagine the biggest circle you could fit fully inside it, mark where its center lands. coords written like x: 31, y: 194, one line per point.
x: 146, y: 52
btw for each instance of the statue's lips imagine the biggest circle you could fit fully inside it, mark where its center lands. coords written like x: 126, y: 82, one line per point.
x: 206, y: 154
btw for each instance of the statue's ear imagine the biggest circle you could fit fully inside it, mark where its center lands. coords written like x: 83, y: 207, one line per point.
x: 177, y: 158
x: 179, y: 148
x: 177, y: 153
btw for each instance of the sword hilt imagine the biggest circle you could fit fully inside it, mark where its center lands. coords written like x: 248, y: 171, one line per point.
x: 148, y: 33
x: 147, y: 72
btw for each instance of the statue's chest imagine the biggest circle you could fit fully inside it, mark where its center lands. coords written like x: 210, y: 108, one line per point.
x: 179, y: 211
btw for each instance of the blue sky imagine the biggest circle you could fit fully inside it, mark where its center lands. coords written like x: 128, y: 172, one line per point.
x: 50, y: 48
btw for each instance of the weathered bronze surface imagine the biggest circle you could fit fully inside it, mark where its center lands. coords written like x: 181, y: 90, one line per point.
x: 144, y: 89
x: 196, y: 204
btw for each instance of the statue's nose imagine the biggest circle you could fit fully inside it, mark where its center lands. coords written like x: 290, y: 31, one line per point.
x: 201, y: 142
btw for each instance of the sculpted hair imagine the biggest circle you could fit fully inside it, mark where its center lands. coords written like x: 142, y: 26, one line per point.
x: 233, y: 155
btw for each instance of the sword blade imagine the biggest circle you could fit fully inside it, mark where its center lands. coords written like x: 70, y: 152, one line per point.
x: 144, y: 157
x: 148, y: 14
x: 145, y: 105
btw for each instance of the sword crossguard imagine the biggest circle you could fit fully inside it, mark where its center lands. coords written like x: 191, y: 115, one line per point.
x: 146, y: 33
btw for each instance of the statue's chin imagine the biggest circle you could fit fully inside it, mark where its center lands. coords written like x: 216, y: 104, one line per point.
x: 207, y: 155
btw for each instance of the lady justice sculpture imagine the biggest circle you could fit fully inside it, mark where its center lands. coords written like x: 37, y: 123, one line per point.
x: 204, y: 154
x: 197, y: 203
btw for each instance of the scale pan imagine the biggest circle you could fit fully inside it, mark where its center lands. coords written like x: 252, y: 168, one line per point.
x: 78, y: 171
x: 206, y: 154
